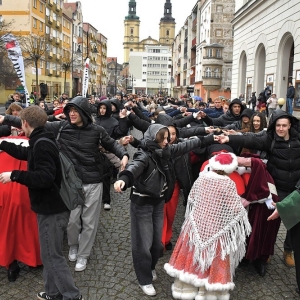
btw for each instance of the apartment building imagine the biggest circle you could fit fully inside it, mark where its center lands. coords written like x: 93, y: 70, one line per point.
x: 151, y: 70
x: 202, y: 51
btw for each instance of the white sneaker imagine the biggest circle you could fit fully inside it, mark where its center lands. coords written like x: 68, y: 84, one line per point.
x: 73, y: 254
x: 148, y: 289
x: 106, y: 206
x: 154, y: 275
x: 80, y: 264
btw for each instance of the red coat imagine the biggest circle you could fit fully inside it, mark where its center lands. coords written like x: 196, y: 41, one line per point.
x: 18, y: 230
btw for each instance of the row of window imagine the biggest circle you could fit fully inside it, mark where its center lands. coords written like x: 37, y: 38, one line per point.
x: 156, y: 80
x: 162, y: 66
x: 157, y: 50
x: 156, y: 58
x: 157, y: 73
x: 209, y: 72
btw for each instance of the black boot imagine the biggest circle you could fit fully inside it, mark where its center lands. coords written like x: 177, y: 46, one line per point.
x: 13, y: 271
x: 260, y: 267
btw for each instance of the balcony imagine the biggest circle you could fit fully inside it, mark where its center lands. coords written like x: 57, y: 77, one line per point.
x: 194, y: 42
x: 57, y: 74
x: 194, y: 26
x: 57, y: 24
x: 57, y: 41
x: 57, y: 7
x: 50, y: 72
x: 50, y: 2
x: 50, y: 20
x: 50, y: 54
x: 49, y: 37
x: 212, y: 82
x: 57, y: 56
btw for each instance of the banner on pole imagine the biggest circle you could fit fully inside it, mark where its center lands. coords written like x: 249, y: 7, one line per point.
x: 85, y: 80
x: 14, y: 52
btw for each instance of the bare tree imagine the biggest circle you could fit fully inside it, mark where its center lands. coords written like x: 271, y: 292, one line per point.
x: 69, y: 63
x: 7, y: 71
x: 33, y: 48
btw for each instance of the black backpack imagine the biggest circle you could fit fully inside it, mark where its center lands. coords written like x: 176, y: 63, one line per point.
x: 71, y: 189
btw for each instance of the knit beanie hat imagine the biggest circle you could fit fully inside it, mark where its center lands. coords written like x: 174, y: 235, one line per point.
x: 226, y: 162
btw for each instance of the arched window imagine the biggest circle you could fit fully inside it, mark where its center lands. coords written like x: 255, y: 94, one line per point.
x: 217, y: 73
x: 207, y: 72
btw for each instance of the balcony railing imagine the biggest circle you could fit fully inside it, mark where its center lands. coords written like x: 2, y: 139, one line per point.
x: 194, y: 41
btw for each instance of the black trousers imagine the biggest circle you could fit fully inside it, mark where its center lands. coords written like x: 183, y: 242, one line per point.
x: 106, y: 190
x: 295, y: 239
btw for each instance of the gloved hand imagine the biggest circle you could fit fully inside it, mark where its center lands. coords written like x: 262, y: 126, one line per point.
x: 269, y: 203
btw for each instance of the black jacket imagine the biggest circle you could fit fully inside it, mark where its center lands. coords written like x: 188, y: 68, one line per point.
x: 43, y: 176
x: 290, y: 92
x: 229, y: 117
x: 140, y: 172
x: 115, y: 128
x: 284, y: 155
x: 81, y: 144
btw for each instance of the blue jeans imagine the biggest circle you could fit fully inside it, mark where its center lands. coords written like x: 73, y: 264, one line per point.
x: 289, y: 102
x: 146, y: 235
x: 56, y: 274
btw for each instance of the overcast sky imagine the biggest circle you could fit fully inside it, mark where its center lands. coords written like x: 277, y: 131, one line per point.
x: 108, y: 17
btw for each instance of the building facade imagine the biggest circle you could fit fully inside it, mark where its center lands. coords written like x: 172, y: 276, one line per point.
x: 202, y: 51
x: 150, y: 70
x: 132, y: 42
x: 266, y: 47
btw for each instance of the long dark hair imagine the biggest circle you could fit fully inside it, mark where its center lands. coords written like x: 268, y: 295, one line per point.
x: 160, y: 136
x: 263, y: 121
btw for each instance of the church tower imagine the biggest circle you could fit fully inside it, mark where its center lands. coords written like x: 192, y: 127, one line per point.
x: 167, y: 26
x: 132, y: 31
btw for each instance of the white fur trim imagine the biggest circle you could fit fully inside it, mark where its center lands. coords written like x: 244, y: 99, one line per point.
x: 229, y: 168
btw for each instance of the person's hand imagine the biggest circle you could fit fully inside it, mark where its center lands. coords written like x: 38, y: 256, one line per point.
x: 216, y: 138
x: 269, y: 203
x: 244, y: 161
x: 123, y: 113
x: 202, y: 114
x: 5, y: 177
x: 209, y: 129
x: 229, y: 131
x: 1, y: 119
x: 60, y: 116
x: 222, y: 139
x: 119, y: 185
x: 128, y: 103
x: 183, y: 109
x: 124, y: 162
x: 275, y: 214
x: 125, y: 140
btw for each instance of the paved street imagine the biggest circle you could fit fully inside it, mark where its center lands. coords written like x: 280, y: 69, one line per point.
x: 109, y: 274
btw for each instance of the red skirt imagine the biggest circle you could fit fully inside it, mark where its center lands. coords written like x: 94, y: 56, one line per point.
x: 18, y: 230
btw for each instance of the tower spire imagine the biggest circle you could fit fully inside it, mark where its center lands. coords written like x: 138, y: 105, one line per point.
x: 167, y: 12
x: 132, y: 11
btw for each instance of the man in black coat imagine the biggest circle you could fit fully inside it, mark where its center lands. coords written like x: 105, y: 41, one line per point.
x: 43, y: 179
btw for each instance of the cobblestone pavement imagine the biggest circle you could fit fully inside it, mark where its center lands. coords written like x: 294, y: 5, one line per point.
x: 110, y: 275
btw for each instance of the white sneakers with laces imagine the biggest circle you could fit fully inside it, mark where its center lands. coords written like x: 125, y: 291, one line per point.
x: 80, y: 264
x: 148, y: 289
x: 73, y: 253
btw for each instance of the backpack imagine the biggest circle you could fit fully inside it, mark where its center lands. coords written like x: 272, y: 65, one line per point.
x: 71, y: 190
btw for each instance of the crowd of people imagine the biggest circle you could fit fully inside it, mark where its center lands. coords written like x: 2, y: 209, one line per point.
x: 247, y: 163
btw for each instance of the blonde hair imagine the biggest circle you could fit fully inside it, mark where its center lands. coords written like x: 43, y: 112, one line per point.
x: 13, y: 106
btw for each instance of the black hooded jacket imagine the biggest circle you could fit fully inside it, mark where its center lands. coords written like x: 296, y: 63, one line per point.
x: 81, y: 143
x: 229, y: 117
x: 115, y: 128
x: 140, y: 172
x: 284, y: 155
